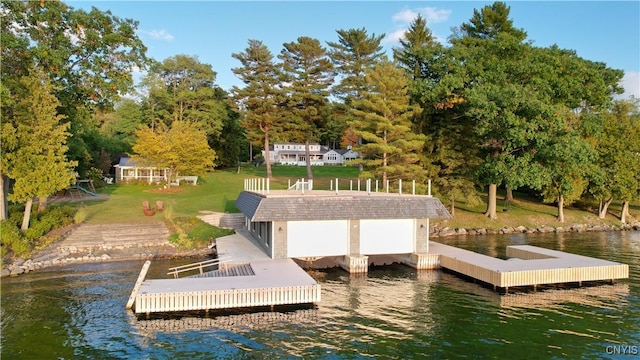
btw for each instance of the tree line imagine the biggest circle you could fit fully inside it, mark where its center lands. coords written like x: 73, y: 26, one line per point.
x: 487, y: 110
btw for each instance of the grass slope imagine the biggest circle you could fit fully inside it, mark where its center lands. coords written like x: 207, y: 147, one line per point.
x: 218, y: 190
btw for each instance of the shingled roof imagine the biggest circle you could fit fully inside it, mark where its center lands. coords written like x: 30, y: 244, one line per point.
x: 348, y: 205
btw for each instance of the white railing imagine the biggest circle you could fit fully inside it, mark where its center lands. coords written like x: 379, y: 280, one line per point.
x: 200, y: 266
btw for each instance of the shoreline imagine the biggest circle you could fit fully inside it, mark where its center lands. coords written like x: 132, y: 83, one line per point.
x: 52, y: 258
x: 446, y: 231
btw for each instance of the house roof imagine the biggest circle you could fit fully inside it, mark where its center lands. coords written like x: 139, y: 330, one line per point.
x: 346, y: 205
x: 128, y: 162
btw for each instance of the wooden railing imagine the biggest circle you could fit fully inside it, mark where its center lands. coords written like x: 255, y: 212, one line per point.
x: 200, y: 266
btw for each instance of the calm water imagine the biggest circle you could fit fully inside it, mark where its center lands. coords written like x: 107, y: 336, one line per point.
x: 394, y: 312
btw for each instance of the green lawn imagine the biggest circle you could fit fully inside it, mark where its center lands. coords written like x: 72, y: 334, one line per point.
x: 218, y: 190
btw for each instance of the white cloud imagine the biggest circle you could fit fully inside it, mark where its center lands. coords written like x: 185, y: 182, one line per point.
x: 395, y: 36
x: 434, y: 15
x: 431, y: 14
x: 404, y: 18
x: 158, y: 34
x: 631, y: 84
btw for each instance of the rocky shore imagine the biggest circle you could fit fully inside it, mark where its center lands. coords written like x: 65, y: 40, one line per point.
x: 72, y: 256
x: 84, y: 243
x: 436, y: 232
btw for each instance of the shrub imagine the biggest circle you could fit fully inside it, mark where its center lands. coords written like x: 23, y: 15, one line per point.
x: 22, y: 243
x: 13, y: 240
x: 192, y: 232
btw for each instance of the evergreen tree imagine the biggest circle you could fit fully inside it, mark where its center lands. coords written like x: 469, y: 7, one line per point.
x: 34, y: 144
x: 382, y: 118
x: 260, y: 99
x: 354, y: 53
x: 308, y: 73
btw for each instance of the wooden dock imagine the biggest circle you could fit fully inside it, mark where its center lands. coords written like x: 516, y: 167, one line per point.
x: 528, y: 266
x: 274, y: 282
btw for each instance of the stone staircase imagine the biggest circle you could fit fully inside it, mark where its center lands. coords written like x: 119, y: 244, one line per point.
x: 224, y: 220
x: 90, y: 237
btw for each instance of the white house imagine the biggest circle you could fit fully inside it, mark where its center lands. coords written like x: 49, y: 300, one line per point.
x: 352, y: 225
x: 127, y: 170
x: 295, y: 154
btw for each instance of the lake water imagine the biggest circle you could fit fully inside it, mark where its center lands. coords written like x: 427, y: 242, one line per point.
x: 394, y: 312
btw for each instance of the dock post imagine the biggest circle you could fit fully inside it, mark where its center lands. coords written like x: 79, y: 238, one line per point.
x: 136, y: 287
x: 413, y: 187
x: 400, y: 186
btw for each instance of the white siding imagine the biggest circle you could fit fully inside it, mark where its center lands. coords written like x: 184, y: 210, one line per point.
x: 387, y: 236
x: 317, y: 238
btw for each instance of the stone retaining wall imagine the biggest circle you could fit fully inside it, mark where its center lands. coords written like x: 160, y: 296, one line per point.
x: 436, y: 232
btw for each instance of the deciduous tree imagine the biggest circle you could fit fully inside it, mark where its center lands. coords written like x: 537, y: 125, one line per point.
x: 182, y: 148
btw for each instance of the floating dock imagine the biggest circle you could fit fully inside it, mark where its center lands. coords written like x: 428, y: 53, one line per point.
x: 255, y: 280
x: 274, y: 282
x: 528, y: 266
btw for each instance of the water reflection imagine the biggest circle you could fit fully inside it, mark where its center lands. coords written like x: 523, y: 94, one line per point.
x: 393, y: 312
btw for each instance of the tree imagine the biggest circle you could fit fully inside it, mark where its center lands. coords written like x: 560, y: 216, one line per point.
x: 88, y: 56
x: 182, y: 148
x: 449, y: 157
x: 308, y: 73
x: 502, y: 103
x: 34, y: 144
x: 260, y: 99
x: 617, y: 150
x: 187, y: 93
x: 231, y: 146
x: 354, y: 53
x: 382, y: 118
x: 568, y: 161
x: 491, y: 21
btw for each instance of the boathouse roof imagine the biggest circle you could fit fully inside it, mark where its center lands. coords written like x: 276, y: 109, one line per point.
x: 346, y: 205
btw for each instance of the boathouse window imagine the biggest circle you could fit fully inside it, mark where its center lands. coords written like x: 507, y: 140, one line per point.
x: 262, y: 232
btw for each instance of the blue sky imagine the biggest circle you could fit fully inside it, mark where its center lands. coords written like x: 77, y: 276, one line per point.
x: 603, y: 31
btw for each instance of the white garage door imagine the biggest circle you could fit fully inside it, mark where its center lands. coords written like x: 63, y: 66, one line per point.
x: 317, y: 238
x: 386, y: 236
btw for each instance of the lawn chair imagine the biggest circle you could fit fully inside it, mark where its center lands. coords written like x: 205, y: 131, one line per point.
x: 148, y: 210
x: 159, y: 206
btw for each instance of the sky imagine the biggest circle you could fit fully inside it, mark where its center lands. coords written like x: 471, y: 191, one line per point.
x: 603, y: 31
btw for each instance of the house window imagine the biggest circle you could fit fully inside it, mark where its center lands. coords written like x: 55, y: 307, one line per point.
x: 332, y: 157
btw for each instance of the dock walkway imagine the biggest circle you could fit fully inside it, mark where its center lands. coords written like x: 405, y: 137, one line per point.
x: 249, y: 279
x: 528, y: 266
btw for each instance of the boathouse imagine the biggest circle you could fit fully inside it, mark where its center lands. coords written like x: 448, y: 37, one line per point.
x: 349, y: 224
